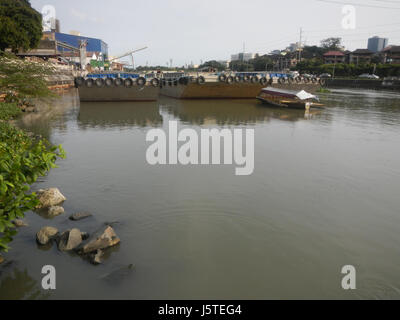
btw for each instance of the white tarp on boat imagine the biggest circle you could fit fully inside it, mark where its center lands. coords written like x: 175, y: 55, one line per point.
x: 303, y: 95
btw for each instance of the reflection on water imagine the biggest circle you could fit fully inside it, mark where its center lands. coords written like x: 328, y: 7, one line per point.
x: 324, y: 194
x: 121, y: 114
x: 230, y: 112
x: 16, y: 284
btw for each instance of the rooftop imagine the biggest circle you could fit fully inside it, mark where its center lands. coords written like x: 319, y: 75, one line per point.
x: 334, y: 53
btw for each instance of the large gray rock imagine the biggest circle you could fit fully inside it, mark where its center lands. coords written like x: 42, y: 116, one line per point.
x: 55, y: 211
x: 80, y: 216
x: 46, y: 234
x: 69, y: 240
x: 102, y: 239
x: 50, y: 197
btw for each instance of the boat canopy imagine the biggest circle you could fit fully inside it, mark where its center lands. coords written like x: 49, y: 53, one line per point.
x: 302, y: 95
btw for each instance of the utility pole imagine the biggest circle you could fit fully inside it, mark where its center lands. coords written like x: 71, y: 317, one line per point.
x: 301, y: 38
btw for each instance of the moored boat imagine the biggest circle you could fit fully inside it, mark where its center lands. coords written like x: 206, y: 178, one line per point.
x: 117, y: 87
x: 288, y: 98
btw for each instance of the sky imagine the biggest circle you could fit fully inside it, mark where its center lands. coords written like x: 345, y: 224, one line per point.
x: 192, y: 31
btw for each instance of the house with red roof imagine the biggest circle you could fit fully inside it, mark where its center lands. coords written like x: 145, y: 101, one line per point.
x: 334, y: 57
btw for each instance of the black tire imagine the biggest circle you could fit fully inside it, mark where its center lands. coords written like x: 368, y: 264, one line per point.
x: 118, y: 82
x: 297, y: 79
x: 222, y: 78
x: 290, y: 80
x: 263, y: 81
x: 155, y: 82
x: 201, y: 80
x: 229, y: 80
x: 128, y: 83
x: 314, y: 80
x: 322, y: 82
x: 306, y: 80
x: 254, y: 79
x: 79, y: 81
x: 99, y: 82
x: 89, y: 83
x: 109, y: 82
x: 141, y: 81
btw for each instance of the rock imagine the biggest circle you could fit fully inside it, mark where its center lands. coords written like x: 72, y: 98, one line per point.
x: 50, y: 197
x: 46, y: 234
x: 95, y: 258
x: 102, y: 239
x: 20, y: 223
x: 85, y: 235
x: 69, y: 240
x: 1, y: 259
x: 55, y: 211
x: 80, y: 216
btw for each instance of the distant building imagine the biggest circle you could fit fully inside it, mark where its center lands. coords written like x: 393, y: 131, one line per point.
x: 334, y: 57
x: 94, y: 46
x: 243, y: 56
x: 360, y: 56
x: 391, y: 54
x: 293, y: 47
x: 376, y: 44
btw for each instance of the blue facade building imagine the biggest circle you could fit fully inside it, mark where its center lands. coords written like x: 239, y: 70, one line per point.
x: 376, y: 44
x: 93, y: 45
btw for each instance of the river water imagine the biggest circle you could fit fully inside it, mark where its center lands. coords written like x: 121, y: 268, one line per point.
x: 324, y: 194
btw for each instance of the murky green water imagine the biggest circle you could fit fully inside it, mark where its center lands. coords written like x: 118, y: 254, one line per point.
x: 324, y: 194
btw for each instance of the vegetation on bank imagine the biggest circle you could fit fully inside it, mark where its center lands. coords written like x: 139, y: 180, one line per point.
x: 9, y: 111
x: 22, y: 161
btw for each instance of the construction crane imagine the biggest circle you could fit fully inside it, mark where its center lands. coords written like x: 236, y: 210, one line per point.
x: 130, y: 53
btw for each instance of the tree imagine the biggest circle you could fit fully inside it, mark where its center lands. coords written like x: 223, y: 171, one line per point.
x: 20, y: 25
x: 213, y: 64
x: 331, y: 43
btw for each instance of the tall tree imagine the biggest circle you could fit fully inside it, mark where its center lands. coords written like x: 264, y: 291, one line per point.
x: 331, y: 43
x: 20, y: 25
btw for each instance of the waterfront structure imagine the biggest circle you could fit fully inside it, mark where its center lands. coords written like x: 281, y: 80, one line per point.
x: 377, y: 44
x: 94, y: 45
x: 360, y: 56
x: 391, y: 54
x: 332, y: 57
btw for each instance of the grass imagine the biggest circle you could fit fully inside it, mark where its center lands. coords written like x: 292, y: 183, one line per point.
x: 9, y: 111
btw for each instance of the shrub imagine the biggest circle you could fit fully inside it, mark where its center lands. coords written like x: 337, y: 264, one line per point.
x: 22, y: 161
x: 9, y: 111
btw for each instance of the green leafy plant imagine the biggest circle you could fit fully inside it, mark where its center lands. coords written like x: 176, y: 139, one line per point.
x: 9, y: 111
x: 22, y: 161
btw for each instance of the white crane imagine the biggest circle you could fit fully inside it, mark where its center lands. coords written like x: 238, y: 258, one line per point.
x: 130, y: 53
